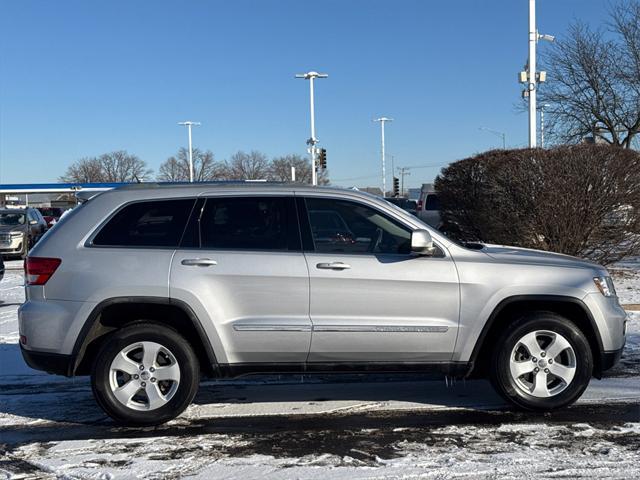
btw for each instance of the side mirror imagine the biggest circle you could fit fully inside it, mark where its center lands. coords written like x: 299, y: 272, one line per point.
x: 422, y: 243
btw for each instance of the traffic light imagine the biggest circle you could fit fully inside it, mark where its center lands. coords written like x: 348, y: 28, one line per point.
x: 396, y: 187
x: 322, y: 158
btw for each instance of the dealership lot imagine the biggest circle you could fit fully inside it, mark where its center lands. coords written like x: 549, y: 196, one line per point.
x: 295, y: 426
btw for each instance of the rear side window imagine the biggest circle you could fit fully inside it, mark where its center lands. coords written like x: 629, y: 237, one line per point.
x: 245, y: 223
x: 147, y: 224
x: 433, y: 202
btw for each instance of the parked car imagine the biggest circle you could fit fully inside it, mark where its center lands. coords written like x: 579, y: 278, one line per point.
x: 20, y: 229
x: 429, y: 206
x: 407, y: 205
x: 148, y: 288
x: 51, y: 215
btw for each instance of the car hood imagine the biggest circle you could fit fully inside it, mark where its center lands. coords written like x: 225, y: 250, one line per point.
x: 12, y: 228
x: 529, y: 256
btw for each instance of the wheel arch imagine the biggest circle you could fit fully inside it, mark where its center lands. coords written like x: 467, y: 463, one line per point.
x: 117, y: 312
x: 507, y: 310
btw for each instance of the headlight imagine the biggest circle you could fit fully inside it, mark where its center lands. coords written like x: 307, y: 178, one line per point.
x: 16, y: 234
x: 605, y: 285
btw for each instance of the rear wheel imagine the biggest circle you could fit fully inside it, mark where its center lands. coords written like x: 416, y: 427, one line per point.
x: 145, y: 374
x: 543, y: 361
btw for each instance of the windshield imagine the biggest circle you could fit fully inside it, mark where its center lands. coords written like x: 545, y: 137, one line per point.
x: 12, y: 218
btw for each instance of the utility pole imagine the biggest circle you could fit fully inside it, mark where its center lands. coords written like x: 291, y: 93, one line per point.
x: 531, y: 77
x: 311, y: 76
x: 500, y: 134
x: 189, y: 124
x: 382, y: 121
x: 403, y: 171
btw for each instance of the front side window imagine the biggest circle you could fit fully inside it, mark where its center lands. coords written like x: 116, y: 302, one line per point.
x: 158, y: 223
x: 343, y: 226
x: 247, y: 223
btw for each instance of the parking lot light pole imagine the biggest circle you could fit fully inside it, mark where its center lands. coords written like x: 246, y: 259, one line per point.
x: 532, y: 77
x: 311, y: 76
x: 189, y: 124
x: 382, y: 121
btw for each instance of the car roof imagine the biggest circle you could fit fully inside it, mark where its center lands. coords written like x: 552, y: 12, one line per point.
x: 156, y: 190
x: 246, y: 184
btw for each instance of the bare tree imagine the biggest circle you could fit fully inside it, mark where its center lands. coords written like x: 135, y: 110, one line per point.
x: 85, y: 170
x: 593, y: 87
x: 176, y: 168
x: 118, y: 166
x: 247, y: 166
x: 121, y: 166
x: 281, y: 170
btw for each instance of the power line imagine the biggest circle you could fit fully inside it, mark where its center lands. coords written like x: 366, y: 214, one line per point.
x: 429, y: 166
x: 376, y: 176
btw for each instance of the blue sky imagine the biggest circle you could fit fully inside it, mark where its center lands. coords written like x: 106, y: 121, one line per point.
x: 81, y: 78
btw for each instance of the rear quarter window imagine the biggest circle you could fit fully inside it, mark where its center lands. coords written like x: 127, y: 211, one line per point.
x: 158, y: 223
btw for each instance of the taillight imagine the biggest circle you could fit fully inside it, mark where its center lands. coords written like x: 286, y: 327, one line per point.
x: 38, y: 270
x: 419, y: 207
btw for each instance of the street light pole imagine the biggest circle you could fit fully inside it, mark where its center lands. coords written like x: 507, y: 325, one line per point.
x: 531, y: 86
x: 533, y: 78
x: 382, y: 121
x: 189, y: 124
x: 311, y: 76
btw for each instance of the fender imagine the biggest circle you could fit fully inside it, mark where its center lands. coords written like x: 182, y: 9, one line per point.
x: 79, y: 346
x: 534, y: 298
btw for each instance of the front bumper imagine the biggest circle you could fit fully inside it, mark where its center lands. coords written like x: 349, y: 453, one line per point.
x: 55, y: 363
x: 13, y: 246
x: 610, y: 359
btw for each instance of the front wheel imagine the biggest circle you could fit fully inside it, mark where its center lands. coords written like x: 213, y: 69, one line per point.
x: 145, y: 374
x: 543, y: 361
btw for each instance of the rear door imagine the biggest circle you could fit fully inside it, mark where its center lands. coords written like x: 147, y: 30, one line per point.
x: 241, y: 268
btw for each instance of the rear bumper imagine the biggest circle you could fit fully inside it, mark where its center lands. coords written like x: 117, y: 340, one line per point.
x: 55, y: 363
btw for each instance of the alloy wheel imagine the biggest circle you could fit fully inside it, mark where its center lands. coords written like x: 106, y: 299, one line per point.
x: 542, y: 363
x: 144, y: 376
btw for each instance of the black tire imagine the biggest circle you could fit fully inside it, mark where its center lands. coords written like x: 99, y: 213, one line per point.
x: 145, y: 332
x: 504, y: 382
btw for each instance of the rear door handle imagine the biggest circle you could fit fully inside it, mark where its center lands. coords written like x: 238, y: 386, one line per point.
x: 198, y: 262
x: 333, y: 266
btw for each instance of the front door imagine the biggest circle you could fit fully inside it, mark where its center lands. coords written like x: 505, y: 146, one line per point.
x: 242, y: 269
x: 372, y: 299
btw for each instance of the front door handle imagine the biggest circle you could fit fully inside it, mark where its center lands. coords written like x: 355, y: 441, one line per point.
x: 333, y: 266
x: 198, y: 262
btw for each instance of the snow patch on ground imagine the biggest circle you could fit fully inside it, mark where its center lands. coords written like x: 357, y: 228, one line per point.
x: 626, y: 277
x: 50, y: 427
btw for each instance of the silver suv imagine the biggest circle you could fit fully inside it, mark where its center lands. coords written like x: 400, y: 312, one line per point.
x: 147, y: 288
